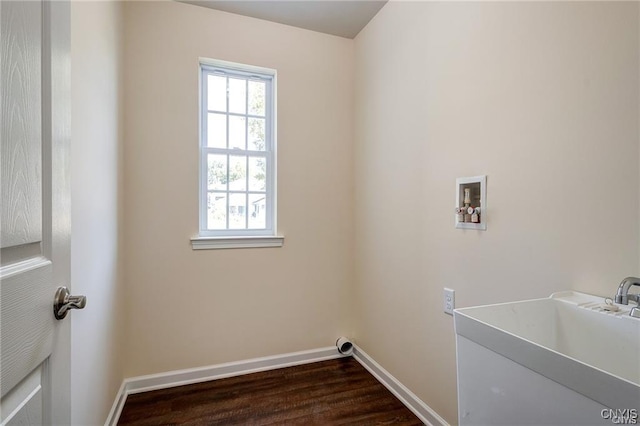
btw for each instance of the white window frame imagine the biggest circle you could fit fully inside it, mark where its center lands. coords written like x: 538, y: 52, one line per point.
x: 238, y: 238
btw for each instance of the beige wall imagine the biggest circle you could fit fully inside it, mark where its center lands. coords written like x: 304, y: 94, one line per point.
x: 543, y: 98
x: 193, y: 308
x: 96, y: 214
x: 540, y: 97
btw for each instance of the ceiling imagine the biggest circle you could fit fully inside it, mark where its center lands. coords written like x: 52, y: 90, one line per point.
x: 344, y: 18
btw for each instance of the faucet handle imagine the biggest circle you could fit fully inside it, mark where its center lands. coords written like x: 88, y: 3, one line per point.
x: 622, y: 295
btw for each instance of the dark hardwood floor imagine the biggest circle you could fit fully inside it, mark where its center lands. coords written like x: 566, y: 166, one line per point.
x: 335, y: 392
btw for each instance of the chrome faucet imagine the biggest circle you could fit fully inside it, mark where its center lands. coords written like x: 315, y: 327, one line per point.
x: 623, y: 297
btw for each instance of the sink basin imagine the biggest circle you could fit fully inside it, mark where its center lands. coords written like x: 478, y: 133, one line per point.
x: 567, y: 338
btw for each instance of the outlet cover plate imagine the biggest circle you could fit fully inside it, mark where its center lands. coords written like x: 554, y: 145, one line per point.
x: 449, y: 300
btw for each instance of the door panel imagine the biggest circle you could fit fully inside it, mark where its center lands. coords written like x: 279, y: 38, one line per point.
x: 21, y: 82
x: 23, y: 405
x: 27, y: 326
x: 34, y: 211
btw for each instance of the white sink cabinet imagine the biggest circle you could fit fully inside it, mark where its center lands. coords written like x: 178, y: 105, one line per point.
x: 561, y: 360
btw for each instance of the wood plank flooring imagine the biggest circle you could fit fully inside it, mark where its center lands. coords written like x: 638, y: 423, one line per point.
x: 335, y: 392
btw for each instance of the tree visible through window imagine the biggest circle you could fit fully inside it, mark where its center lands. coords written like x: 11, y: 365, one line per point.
x: 237, y: 151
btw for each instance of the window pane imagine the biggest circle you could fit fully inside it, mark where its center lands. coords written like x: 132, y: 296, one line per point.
x: 238, y: 96
x: 216, y: 172
x: 257, y: 211
x: 216, y: 210
x: 257, y: 174
x: 217, y: 92
x: 236, y: 146
x: 256, y: 134
x: 237, y: 173
x: 237, y: 132
x: 237, y: 211
x: 217, y: 130
x: 256, y: 97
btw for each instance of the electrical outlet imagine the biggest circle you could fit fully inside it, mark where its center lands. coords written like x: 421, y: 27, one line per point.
x: 449, y: 301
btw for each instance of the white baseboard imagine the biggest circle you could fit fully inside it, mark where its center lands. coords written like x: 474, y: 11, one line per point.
x: 425, y: 413
x: 118, y: 405
x: 220, y: 371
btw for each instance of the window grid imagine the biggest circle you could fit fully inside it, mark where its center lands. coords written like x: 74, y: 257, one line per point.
x: 228, y: 152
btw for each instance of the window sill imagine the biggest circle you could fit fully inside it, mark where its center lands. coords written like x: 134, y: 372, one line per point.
x: 214, y: 243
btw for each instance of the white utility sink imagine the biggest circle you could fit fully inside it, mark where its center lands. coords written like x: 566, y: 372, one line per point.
x: 588, y: 354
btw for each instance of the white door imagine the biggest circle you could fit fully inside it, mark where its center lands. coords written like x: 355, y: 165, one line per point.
x: 34, y: 221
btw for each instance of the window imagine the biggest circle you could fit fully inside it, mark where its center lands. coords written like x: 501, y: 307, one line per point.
x: 237, y: 151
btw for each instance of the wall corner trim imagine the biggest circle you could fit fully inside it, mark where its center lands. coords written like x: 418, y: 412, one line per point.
x: 425, y: 413
x: 175, y: 378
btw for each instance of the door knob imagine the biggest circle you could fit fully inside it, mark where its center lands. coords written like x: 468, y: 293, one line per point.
x: 63, y: 301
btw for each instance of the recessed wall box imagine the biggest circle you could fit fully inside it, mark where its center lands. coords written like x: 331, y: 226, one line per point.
x: 471, y: 203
